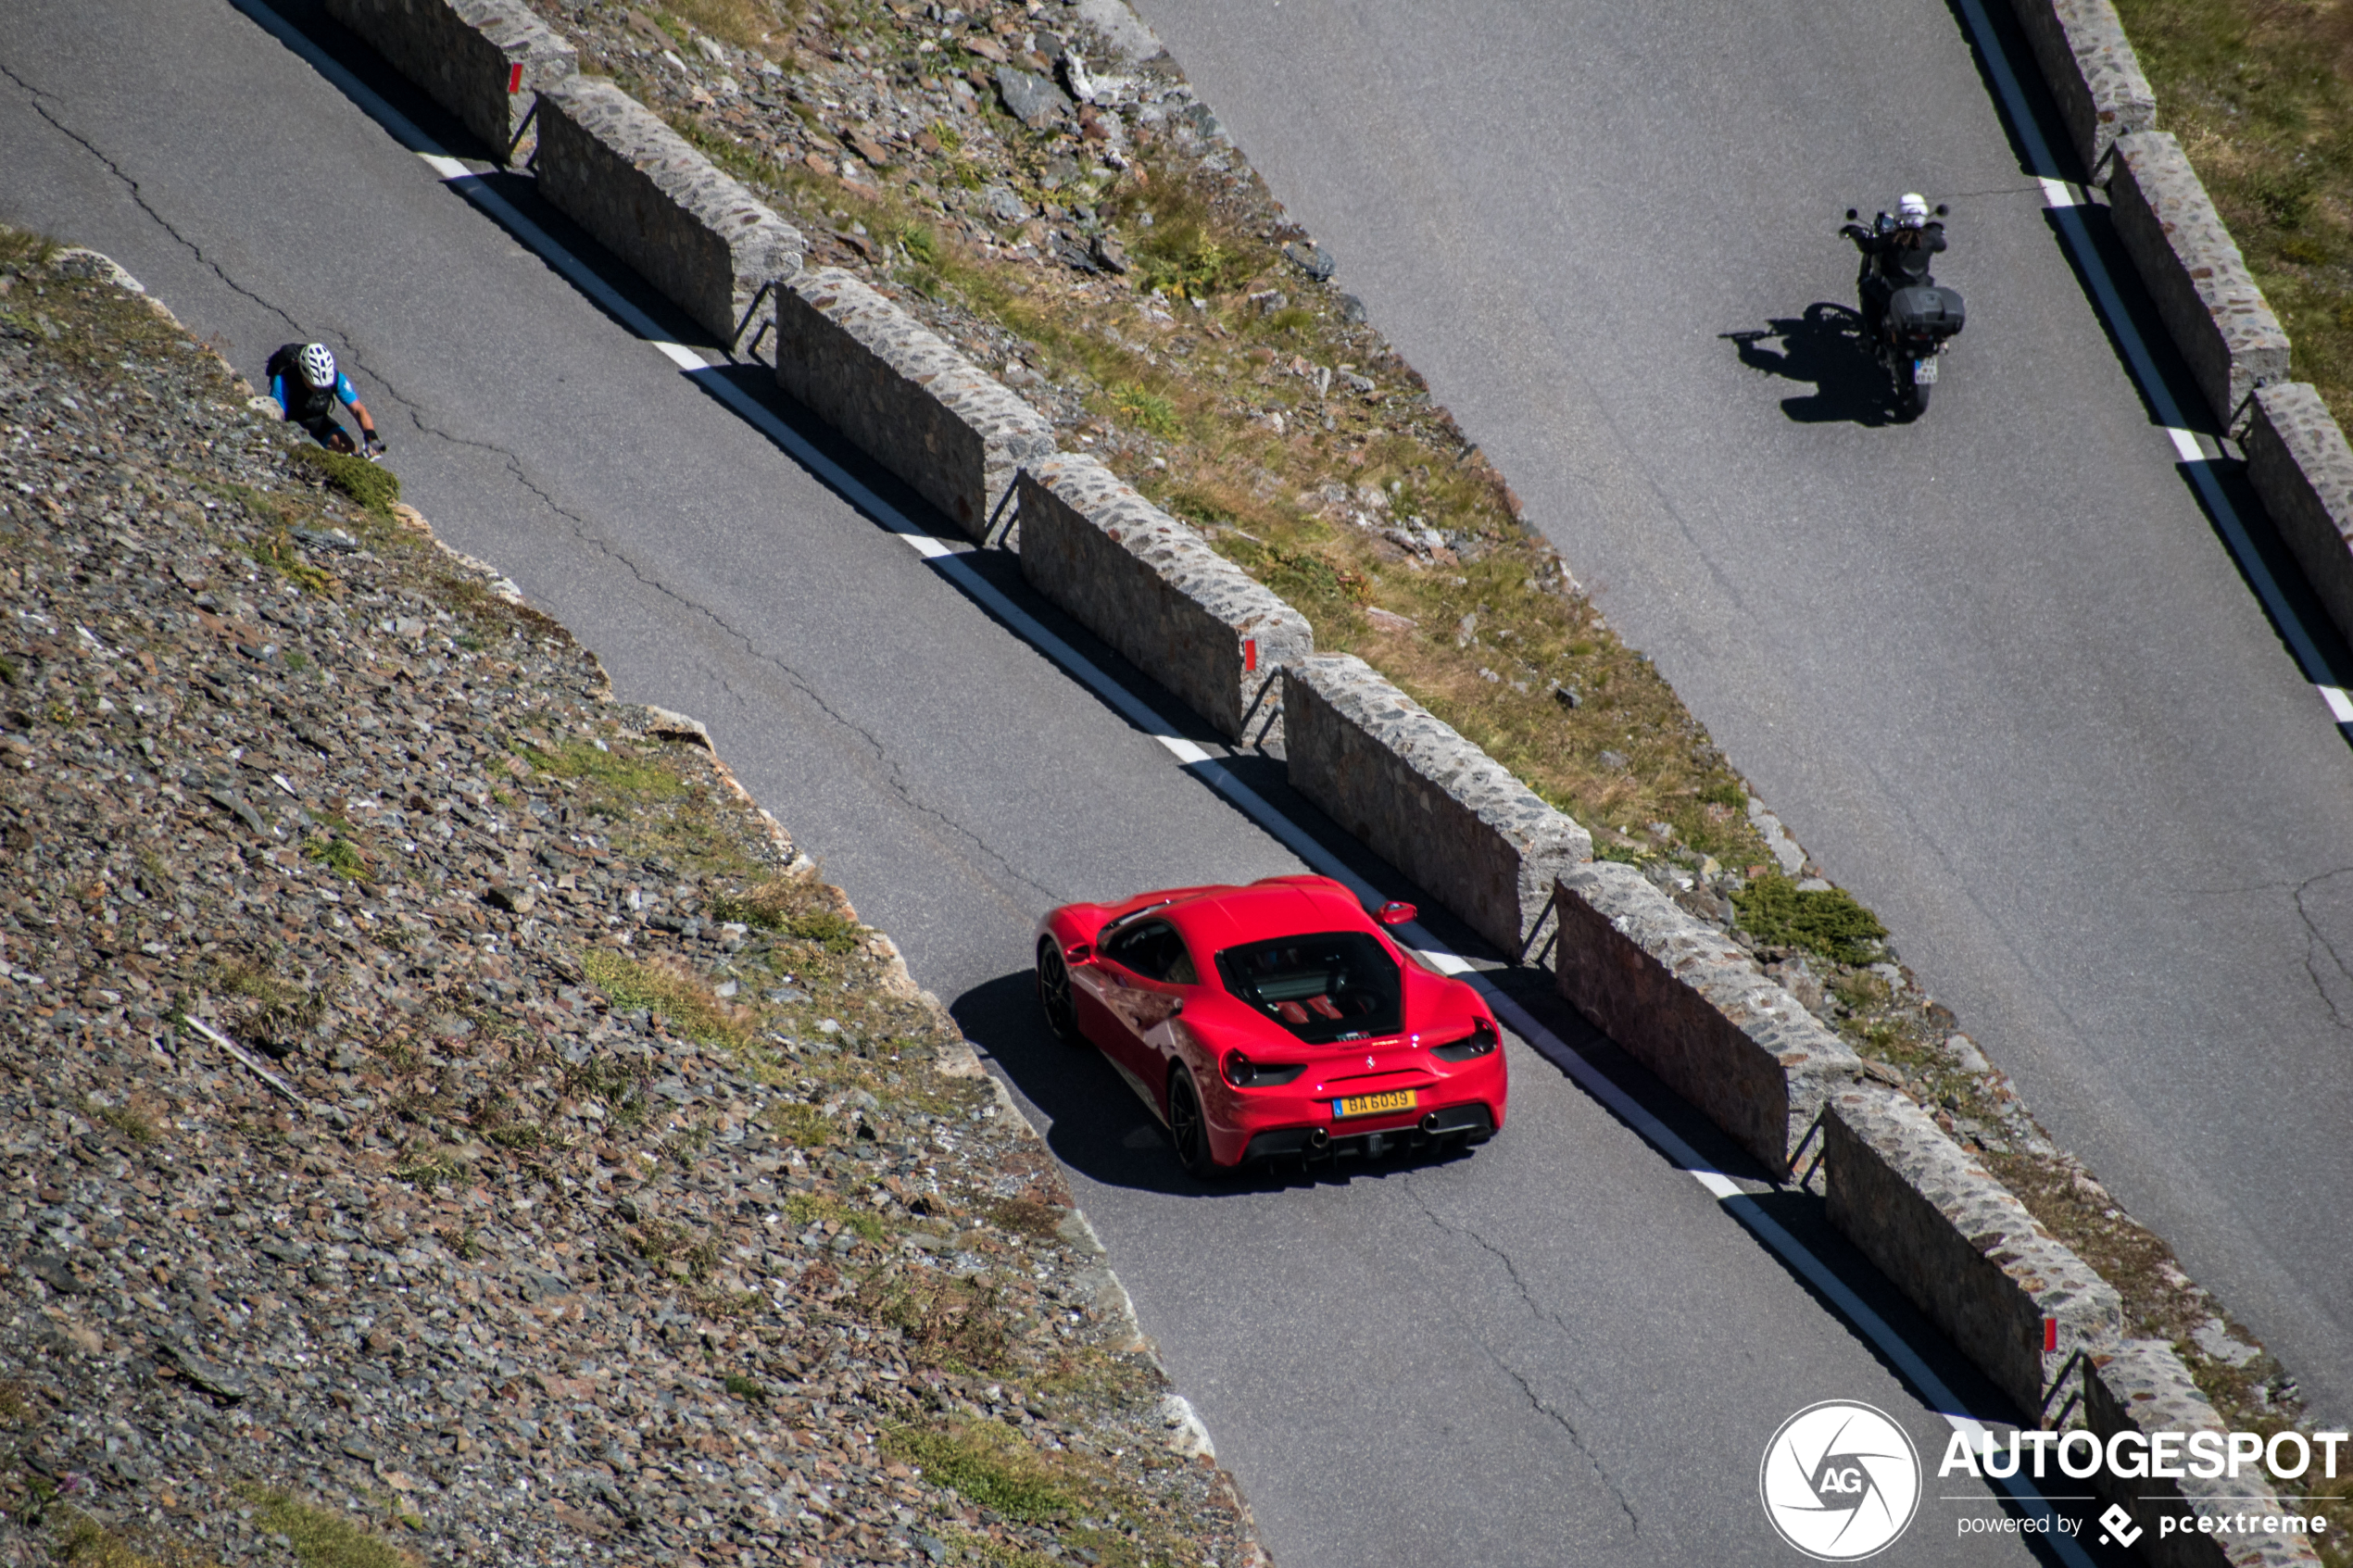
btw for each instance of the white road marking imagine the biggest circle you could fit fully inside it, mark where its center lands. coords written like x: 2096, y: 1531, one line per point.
x: 2187, y: 446
x: 1196, y: 759
x: 2136, y: 353
x: 2340, y: 705
x: 2055, y: 193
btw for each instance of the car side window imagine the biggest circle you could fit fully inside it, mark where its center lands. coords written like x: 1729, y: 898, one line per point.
x: 1154, y: 951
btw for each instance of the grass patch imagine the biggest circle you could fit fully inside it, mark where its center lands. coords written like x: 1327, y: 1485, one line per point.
x: 947, y: 1321
x: 1827, y: 921
x: 82, y: 1542
x: 124, y: 1118
x: 371, y: 484
x: 675, y: 1249
x: 2260, y: 93
x: 621, y: 1088
x: 803, y: 1126
x: 26, y: 247
x: 989, y: 1463
x: 761, y: 25
x: 278, y: 1011
x: 807, y: 1208
x: 1146, y: 411
x: 338, y: 854
x: 799, y: 906
x: 430, y: 1168
x: 322, y: 1538
x: 671, y: 992
x: 616, y: 777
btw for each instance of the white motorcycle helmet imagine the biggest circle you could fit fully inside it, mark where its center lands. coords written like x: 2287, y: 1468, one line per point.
x: 319, y: 362
x: 1912, y: 211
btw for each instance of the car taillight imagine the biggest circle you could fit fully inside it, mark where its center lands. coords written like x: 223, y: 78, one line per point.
x: 1481, y: 1041
x: 1244, y: 1073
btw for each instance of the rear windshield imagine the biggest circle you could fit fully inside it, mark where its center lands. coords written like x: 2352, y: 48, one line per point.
x: 1339, y: 986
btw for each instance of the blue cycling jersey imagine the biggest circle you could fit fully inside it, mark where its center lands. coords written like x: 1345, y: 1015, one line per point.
x: 344, y: 392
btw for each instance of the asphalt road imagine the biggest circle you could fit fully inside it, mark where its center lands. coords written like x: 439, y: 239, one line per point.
x: 1996, y: 671
x: 1563, y: 1349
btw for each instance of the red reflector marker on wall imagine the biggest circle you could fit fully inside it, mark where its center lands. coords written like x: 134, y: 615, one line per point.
x: 514, y: 77
x: 1250, y: 655
x: 2050, y: 1334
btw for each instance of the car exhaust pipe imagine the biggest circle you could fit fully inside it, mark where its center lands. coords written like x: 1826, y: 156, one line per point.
x: 1429, y: 1123
x: 1318, y: 1140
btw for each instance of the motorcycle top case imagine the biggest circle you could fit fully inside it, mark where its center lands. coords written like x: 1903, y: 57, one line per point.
x: 1926, y: 310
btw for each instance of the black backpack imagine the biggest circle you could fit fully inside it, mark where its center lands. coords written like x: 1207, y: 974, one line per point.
x: 302, y: 400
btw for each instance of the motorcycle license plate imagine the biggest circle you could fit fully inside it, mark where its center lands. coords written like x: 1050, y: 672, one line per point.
x: 1923, y: 372
x: 1374, y: 1105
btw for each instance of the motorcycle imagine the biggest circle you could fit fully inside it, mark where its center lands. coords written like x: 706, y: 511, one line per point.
x: 1908, y: 321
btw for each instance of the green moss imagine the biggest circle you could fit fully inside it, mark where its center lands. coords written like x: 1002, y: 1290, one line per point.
x: 682, y: 1000
x: 1147, y: 411
x: 372, y: 485
x: 322, y: 1539
x: 987, y: 1461
x: 1825, y: 920
x: 338, y: 854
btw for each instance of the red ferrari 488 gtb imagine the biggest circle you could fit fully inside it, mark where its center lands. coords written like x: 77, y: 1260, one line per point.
x: 1277, y: 1020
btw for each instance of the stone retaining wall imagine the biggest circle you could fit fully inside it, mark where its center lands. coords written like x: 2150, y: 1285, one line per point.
x: 2094, y: 75
x: 1961, y: 1246
x: 463, y: 52
x: 2301, y: 468
x: 1153, y: 589
x: 1424, y: 799
x: 2202, y: 289
x: 1690, y: 1005
x: 905, y: 398
x: 611, y: 166
x: 2141, y: 1385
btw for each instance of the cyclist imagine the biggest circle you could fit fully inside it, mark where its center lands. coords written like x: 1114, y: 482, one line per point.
x: 304, y: 379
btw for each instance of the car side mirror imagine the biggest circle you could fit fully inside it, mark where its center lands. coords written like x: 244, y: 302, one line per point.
x: 1850, y: 215
x: 1395, y: 912
x: 1079, y: 952
x: 1942, y: 211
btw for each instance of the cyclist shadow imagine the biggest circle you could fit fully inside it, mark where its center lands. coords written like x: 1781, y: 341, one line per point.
x: 1826, y: 347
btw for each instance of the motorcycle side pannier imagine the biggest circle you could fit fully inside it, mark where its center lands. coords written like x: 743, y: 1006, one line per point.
x: 1926, y: 310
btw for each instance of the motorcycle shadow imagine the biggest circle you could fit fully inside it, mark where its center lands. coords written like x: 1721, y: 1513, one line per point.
x: 1825, y: 346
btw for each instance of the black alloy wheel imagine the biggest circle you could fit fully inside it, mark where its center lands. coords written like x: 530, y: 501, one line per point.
x: 1187, y: 1129
x: 1054, y: 993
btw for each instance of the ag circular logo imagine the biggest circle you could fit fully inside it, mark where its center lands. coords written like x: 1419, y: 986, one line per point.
x: 1839, y: 1481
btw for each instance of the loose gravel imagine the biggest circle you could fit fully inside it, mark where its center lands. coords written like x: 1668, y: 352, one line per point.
x: 445, y: 1118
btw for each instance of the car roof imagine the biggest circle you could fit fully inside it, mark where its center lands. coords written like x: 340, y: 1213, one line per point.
x: 1218, y: 918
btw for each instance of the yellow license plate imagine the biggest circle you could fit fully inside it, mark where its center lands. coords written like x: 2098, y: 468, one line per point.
x: 1374, y: 1105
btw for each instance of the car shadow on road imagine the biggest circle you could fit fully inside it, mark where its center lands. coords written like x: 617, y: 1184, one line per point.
x: 1824, y: 346
x: 1097, y: 1126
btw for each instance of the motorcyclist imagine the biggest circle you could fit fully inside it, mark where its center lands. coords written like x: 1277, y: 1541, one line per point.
x: 1896, y: 253
x: 304, y: 379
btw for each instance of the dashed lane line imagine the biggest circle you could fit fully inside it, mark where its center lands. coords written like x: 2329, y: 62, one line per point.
x: 2191, y: 453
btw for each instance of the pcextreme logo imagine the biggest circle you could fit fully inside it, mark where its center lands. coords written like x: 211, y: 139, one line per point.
x: 1839, y: 1481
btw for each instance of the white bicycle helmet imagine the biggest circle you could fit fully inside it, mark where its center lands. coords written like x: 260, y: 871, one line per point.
x: 319, y: 362
x: 1912, y: 211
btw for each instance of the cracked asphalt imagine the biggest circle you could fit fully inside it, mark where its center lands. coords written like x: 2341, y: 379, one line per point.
x: 1558, y: 1350
x: 1996, y: 671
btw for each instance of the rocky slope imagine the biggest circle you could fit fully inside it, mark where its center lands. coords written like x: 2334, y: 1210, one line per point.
x: 444, y: 1120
